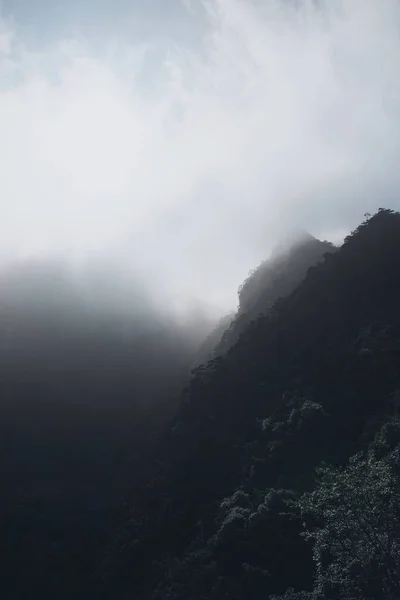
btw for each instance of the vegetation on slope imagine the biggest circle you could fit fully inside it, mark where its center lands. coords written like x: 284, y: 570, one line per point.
x: 259, y: 486
x: 312, y: 382
x: 274, y: 278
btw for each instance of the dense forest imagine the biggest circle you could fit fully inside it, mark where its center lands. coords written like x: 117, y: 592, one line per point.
x: 260, y: 486
x: 274, y: 473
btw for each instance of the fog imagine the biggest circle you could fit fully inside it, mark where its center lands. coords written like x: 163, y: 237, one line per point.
x: 91, y: 342
x: 152, y: 152
x: 179, y: 140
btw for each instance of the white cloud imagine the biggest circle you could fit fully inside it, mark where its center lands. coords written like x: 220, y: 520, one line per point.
x: 286, y: 116
x: 6, y: 40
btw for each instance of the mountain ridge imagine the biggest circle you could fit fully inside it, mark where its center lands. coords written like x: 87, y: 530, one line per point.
x: 274, y: 278
x: 310, y: 381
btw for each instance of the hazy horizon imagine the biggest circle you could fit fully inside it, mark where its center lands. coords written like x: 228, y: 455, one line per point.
x: 179, y: 140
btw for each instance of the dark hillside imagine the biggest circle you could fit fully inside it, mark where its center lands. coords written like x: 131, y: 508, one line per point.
x: 209, y: 347
x: 274, y: 278
x: 311, y: 381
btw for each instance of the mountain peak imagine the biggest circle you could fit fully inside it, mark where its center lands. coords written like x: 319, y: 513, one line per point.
x: 291, y: 240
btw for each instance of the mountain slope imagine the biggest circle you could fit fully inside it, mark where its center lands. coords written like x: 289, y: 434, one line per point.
x: 208, y: 348
x: 311, y: 381
x: 274, y: 278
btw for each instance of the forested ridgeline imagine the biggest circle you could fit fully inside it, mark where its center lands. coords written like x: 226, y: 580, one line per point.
x: 276, y: 277
x: 279, y: 474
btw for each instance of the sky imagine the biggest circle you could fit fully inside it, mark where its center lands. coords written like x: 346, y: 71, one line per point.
x: 180, y: 139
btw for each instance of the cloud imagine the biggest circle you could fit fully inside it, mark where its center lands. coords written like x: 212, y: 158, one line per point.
x: 5, y: 42
x: 186, y: 162
x: 7, y: 38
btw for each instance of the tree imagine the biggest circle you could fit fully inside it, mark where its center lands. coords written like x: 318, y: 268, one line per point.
x: 353, y: 521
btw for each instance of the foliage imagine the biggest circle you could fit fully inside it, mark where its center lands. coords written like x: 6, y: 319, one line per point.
x: 353, y: 522
x: 273, y: 279
x: 310, y: 381
x: 228, y: 503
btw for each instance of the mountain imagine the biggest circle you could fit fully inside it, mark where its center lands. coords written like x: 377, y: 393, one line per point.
x: 275, y: 474
x: 274, y: 278
x: 232, y: 505
x: 209, y: 347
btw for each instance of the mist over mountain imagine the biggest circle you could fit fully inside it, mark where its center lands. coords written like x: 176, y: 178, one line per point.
x: 165, y: 434
x: 271, y: 280
x: 90, y: 372
x: 259, y: 487
x: 275, y: 278
x: 90, y: 353
x: 91, y: 368
x: 131, y: 476
x: 187, y: 145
